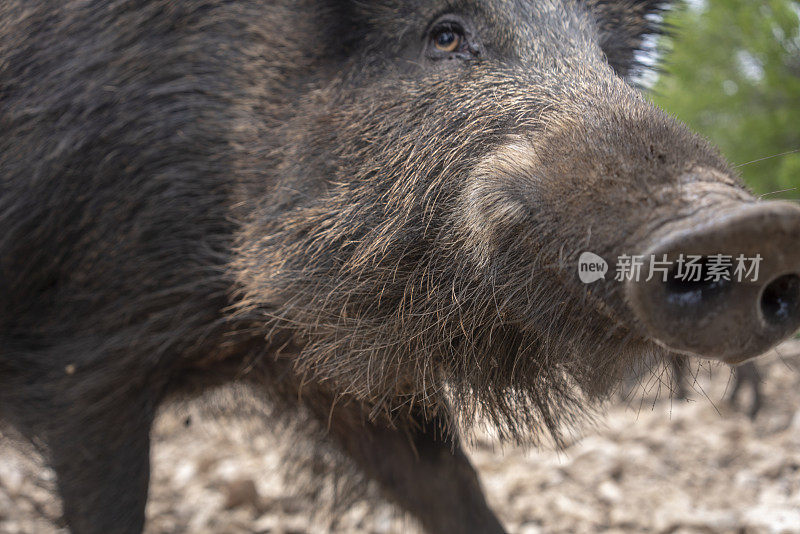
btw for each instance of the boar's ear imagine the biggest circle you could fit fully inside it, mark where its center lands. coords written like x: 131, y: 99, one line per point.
x: 626, y: 27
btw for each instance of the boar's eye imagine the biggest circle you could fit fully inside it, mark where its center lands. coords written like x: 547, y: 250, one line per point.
x: 446, y: 40
x: 449, y: 40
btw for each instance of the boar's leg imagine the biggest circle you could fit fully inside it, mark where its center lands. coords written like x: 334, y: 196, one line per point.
x: 423, y: 470
x: 101, y: 455
x: 747, y: 376
x: 679, y: 371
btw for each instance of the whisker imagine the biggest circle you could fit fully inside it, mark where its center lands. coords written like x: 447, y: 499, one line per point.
x: 777, y: 192
x: 768, y: 157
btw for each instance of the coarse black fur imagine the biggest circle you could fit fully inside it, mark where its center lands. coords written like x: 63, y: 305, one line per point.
x: 297, y: 195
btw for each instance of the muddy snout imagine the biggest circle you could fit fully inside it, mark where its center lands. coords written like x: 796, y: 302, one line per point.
x: 724, y: 283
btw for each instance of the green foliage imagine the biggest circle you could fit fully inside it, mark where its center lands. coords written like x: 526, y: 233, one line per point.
x: 732, y: 73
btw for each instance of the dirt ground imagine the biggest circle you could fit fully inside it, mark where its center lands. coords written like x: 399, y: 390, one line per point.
x: 652, y: 464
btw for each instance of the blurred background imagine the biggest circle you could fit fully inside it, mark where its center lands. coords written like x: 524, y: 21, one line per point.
x: 731, y: 71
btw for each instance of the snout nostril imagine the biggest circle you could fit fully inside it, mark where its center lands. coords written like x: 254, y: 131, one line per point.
x: 780, y: 300
x: 690, y: 288
x: 722, y: 283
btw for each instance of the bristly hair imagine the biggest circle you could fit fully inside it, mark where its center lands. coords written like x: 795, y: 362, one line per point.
x: 628, y: 31
x: 377, y: 285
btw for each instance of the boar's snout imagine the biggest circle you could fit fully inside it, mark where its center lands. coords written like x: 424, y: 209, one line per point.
x: 729, y: 288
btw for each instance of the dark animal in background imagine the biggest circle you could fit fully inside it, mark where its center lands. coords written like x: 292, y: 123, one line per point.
x: 369, y: 211
x: 745, y: 377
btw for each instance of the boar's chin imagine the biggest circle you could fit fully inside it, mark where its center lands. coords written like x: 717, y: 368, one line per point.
x: 523, y: 353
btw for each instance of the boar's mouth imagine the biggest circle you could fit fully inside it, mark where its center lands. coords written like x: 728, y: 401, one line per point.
x: 741, y: 293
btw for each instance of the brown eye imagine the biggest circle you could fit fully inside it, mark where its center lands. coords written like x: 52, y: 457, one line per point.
x: 447, y: 40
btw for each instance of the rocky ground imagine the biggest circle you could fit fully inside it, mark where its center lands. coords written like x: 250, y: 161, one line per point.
x: 652, y: 464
